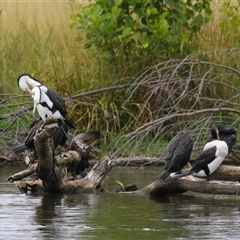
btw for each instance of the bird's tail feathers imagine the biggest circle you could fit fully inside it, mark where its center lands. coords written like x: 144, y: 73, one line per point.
x: 69, y: 123
x: 183, y: 174
x: 163, y: 175
x: 63, y: 130
x: 19, y: 149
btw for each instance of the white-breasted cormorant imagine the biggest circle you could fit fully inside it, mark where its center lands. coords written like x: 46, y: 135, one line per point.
x: 48, y: 102
x: 209, y: 160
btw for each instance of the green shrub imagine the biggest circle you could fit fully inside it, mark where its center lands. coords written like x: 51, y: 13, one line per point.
x: 136, y: 27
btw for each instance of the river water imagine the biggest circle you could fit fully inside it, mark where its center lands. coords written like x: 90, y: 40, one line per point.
x: 116, y: 215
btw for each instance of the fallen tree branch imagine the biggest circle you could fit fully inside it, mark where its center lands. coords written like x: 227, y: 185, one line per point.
x: 93, y: 179
x: 23, y: 174
x: 138, y: 161
x: 172, y: 185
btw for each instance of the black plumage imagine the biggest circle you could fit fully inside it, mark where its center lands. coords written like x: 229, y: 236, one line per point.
x: 59, y: 138
x: 225, y: 133
x: 177, y: 155
x: 202, y: 161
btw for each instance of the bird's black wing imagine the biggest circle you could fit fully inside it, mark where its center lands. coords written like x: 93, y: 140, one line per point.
x: 60, y: 135
x: 204, y: 159
x: 29, y: 141
x: 177, y: 155
x: 228, y: 129
x: 58, y: 102
x: 179, y: 152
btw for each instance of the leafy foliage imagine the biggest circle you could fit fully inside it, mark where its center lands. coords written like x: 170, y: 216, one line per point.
x: 153, y: 27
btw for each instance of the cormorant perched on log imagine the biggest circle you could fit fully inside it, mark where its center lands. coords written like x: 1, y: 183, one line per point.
x: 177, y: 155
x: 83, y: 143
x: 48, y: 102
x: 209, y: 160
x: 225, y: 133
x: 59, y: 138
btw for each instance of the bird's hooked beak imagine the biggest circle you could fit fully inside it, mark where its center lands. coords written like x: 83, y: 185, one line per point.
x: 34, y: 106
x: 217, y: 132
x: 28, y: 90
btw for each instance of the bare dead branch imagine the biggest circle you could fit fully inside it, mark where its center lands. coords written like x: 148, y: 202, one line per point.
x: 15, y: 114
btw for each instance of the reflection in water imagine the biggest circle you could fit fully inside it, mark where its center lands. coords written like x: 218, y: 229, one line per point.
x: 203, y: 218
x: 114, y: 215
x: 63, y: 216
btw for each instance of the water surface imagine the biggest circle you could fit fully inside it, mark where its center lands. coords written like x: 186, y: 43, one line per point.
x: 115, y: 215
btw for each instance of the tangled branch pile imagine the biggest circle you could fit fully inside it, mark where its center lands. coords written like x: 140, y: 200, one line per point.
x: 178, y: 95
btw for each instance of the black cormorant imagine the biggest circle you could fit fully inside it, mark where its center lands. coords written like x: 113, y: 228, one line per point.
x: 59, y: 138
x: 177, y: 155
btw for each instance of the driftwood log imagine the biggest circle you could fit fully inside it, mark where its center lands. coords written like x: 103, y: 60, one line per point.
x: 54, y: 178
x: 225, y: 180
x: 51, y: 175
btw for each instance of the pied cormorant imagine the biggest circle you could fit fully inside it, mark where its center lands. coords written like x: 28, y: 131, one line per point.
x: 177, y: 155
x: 48, y: 102
x: 209, y: 160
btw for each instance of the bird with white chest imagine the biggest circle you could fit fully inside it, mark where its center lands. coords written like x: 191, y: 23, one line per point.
x: 48, y: 102
x: 209, y: 160
x: 214, y: 153
x: 222, y: 140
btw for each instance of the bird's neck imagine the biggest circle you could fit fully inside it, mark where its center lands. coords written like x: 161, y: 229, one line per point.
x: 33, y: 82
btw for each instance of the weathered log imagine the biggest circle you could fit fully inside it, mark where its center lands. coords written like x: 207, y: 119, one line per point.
x: 93, y: 179
x: 69, y: 160
x: 47, y: 171
x: 172, y: 185
x: 23, y: 174
x: 52, y: 178
x: 90, y: 183
x: 55, y: 181
x: 226, y: 173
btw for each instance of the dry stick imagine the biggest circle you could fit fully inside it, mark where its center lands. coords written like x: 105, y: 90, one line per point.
x: 218, y: 65
x: 14, y: 114
x: 83, y: 94
x: 25, y: 173
x: 184, y: 114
